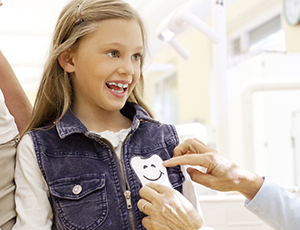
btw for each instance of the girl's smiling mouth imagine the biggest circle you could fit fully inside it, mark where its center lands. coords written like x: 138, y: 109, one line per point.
x: 117, y: 87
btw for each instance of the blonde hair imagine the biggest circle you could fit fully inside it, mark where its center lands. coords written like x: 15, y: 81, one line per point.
x: 54, y: 96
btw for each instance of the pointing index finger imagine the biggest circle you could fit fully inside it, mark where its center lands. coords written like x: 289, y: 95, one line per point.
x: 189, y: 159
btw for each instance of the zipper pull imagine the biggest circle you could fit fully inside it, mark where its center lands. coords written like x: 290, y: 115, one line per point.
x: 128, y: 199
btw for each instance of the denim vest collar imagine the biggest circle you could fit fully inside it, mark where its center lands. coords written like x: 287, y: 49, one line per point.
x: 70, y: 124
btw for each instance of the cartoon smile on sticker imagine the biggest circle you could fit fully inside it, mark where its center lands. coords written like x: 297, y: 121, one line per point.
x: 150, y: 170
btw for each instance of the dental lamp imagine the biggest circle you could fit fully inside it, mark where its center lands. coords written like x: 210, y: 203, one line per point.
x: 180, y: 20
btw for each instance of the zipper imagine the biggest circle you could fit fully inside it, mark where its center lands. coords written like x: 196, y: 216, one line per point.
x: 127, y: 193
x: 125, y: 185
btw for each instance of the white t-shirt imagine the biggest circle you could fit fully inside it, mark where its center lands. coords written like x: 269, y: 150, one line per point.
x: 32, y: 204
x: 8, y: 127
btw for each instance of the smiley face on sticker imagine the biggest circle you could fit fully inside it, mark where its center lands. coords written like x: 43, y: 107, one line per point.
x: 150, y: 170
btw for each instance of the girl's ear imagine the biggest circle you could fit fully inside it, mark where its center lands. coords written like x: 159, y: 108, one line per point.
x: 65, y: 61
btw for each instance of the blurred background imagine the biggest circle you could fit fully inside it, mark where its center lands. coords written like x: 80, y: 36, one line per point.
x: 259, y: 123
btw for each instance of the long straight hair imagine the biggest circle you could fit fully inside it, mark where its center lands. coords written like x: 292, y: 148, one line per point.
x: 78, y: 19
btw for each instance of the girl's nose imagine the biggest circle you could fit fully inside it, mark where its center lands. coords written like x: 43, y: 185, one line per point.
x: 126, y: 67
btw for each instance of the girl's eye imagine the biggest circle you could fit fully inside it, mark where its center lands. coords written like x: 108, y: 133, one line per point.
x: 113, y: 54
x: 136, y: 57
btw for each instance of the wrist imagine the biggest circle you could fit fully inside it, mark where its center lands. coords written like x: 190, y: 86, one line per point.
x: 250, y: 184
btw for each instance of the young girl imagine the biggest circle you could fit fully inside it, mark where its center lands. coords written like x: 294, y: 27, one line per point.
x: 74, y: 168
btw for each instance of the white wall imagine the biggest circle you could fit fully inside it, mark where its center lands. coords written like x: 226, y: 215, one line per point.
x: 273, y: 151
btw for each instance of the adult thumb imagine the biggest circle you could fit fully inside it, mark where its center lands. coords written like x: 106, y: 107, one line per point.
x: 197, y: 176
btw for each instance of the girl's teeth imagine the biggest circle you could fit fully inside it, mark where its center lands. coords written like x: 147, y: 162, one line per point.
x: 119, y: 84
x: 118, y: 91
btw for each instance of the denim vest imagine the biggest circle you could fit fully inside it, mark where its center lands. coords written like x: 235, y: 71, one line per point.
x: 89, y: 187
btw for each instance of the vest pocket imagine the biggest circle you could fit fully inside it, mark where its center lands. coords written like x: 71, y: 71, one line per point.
x: 80, y: 202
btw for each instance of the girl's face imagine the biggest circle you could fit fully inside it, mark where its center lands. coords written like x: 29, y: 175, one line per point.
x: 105, y: 65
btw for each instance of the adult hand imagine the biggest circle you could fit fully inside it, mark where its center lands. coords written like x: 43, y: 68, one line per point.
x: 167, y: 209
x: 221, y: 174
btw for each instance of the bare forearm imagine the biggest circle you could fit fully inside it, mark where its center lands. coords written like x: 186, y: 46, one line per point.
x: 249, y: 185
x: 16, y: 99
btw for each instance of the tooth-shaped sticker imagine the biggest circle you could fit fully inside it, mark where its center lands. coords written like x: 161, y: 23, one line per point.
x: 150, y: 170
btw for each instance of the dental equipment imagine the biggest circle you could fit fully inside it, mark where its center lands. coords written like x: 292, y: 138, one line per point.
x: 180, y: 20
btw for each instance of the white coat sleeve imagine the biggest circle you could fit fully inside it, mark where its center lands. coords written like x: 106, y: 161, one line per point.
x: 32, y: 205
x: 189, y: 190
x: 276, y: 206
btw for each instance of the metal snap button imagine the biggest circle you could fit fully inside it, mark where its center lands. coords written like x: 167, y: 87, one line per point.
x: 77, y: 189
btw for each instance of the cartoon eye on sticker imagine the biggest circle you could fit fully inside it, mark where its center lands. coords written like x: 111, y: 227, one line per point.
x: 150, y: 170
